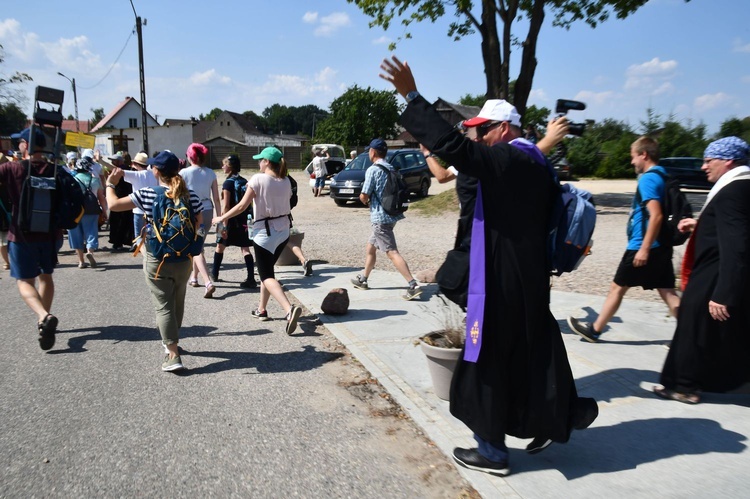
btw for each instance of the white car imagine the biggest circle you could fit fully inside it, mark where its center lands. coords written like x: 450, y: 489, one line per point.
x: 334, y: 164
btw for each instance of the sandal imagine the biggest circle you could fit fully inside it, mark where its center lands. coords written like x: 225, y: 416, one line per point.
x: 685, y: 398
x: 6, y: 266
x: 193, y: 283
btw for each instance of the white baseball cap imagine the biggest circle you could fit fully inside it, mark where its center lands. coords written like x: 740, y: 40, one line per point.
x: 495, y: 110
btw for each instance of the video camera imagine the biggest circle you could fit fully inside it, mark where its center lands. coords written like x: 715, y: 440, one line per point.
x: 563, y: 106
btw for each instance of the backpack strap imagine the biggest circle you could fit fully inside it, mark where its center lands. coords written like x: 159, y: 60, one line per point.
x: 639, y: 199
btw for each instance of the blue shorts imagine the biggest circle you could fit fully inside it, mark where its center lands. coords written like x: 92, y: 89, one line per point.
x: 320, y: 182
x: 28, y: 260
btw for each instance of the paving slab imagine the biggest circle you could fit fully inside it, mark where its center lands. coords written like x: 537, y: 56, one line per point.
x: 640, y: 446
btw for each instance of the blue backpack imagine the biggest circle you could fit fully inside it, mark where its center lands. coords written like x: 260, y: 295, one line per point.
x: 572, y: 221
x: 172, y: 235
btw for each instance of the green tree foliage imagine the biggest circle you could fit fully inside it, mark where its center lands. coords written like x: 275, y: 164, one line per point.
x: 358, y: 116
x: 494, y: 21
x: 735, y: 127
x: 472, y: 100
x: 98, y: 116
x: 12, y: 119
x: 259, y: 121
x: 602, y: 141
x: 212, y: 115
x: 677, y: 140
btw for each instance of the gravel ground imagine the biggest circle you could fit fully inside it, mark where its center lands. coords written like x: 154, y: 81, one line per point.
x: 337, y: 235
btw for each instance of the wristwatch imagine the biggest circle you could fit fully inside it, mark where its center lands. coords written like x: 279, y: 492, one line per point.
x: 412, y: 95
x: 112, y: 185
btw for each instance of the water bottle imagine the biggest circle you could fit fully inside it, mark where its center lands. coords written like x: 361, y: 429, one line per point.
x: 250, y: 225
x: 202, y: 231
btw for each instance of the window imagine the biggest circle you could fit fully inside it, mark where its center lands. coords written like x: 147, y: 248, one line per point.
x: 133, y: 123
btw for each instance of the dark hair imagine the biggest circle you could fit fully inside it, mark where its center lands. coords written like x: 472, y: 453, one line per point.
x: 234, y: 163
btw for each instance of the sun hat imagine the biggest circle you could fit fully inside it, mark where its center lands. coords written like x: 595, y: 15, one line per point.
x: 88, y: 153
x: 271, y: 154
x: 166, y: 162
x: 71, y: 156
x: 495, y: 110
x: 141, y: 158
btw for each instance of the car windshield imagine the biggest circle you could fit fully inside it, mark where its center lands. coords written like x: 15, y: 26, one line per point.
x: 362, y: 162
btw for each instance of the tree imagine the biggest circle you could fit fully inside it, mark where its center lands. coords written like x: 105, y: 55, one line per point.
x: 358, y: 116
x: 212, y: 114
x: 9, y: 91
x: 735, y: 127
x: 12, y: 119
x: 259, y: 121
x: 98, y: 116
x: 472, y: 100
x: 484, y: 19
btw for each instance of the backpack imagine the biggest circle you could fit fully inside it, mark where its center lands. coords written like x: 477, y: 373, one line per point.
x: 395, y: 196
x: 172, y: 236
x: 36, y: 206
x: 294, y: 199
x: 70, y: 200
x: 571, y: 228
x: 90, y: 202
x: 674, y: 206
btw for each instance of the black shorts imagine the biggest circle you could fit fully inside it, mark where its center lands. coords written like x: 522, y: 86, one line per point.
x: 658, y: 272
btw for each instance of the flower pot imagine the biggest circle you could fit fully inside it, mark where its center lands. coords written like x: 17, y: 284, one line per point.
x: 441, y: 362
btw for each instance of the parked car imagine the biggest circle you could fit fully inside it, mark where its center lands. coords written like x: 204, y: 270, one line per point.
x: 562, y: 168
x: 687, y: 171
x: 347, y: 185
x: 334, y: 164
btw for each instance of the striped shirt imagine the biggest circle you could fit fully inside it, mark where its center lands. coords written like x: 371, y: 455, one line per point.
x: 144, y: 200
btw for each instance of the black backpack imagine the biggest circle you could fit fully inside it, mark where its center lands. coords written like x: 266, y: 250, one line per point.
x: 294, y: 199
x: 70, y: 200
x: 395, y: 196
x: 675, y: 207
x: 90, y: 201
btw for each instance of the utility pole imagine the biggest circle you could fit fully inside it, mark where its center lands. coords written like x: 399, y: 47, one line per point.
x: 75, y: 98
x: 144, y: 122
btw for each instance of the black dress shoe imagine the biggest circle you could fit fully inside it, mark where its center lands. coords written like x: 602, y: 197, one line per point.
x: 538, y: 445
x: 586, y: 412
x: 472, y: 459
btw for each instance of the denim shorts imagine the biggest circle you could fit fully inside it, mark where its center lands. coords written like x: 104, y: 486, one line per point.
x: 320, y: 182
x: 28, y: 260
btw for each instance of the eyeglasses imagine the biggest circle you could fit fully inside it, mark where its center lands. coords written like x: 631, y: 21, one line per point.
x: 484, y: 129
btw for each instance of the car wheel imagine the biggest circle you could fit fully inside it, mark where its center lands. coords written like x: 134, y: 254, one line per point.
x: 340, y: 202
x: 424, y: 188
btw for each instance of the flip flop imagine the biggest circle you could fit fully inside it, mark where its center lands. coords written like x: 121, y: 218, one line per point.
x: 685, y: 398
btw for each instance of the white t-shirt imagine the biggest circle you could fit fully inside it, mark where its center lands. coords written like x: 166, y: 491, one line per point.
x: 271, y: 200
x: 140, y: 179
x: 319, y: 166
x: 199, y: 180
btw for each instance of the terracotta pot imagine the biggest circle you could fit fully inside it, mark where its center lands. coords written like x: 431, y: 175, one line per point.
x: 441, y: 362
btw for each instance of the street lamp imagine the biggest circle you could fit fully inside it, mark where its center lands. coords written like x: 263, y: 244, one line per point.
x: 75, y: 98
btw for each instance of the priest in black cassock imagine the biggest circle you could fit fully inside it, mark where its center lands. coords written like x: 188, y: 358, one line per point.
x: 710, y: 350
x: 518, y: 382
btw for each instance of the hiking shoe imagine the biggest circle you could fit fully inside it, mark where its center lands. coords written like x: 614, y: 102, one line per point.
x: 91, y: 260
x: 260, y: 315
x: 291, y: 319
x: 173, y: 364
x: 307, y: 268
x: 249, y: 284
x: 83, y: 265
x: 472, y: 459
x: 210, y: 288
x: 359, y: 283
x: 538, y: 445
x: 47, y: 329
x: 585, y: 331
x: 412, y: 292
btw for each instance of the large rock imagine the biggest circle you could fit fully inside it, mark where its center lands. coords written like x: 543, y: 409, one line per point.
x: 426, y: 276
x: 336, y: 302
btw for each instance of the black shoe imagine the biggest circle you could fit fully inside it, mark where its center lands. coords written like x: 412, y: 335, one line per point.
x: 586, y: 412
x: 47, y: 329
x: 249, y: 284
x: 307, y: 268
x: 586, y: 331
x: 538, y: 445
x: 472, y: 459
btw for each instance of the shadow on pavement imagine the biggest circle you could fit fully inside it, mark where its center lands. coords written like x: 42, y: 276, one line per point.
x: 265, y: 363
x: 77, y: 344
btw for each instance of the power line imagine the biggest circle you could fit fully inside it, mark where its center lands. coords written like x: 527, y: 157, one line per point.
x: 113, y: 64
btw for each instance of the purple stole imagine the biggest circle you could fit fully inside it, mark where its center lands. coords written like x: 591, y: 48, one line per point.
x: 477, y: 276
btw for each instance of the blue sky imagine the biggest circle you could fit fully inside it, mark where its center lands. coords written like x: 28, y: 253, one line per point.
x: 690, y: 60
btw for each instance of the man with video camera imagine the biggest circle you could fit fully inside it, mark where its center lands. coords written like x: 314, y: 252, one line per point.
x: 514, y: 378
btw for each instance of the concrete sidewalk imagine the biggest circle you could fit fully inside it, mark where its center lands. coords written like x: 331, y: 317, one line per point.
x: 640, y: 446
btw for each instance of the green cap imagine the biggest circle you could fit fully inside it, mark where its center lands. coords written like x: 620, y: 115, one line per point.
x: 271, y: 154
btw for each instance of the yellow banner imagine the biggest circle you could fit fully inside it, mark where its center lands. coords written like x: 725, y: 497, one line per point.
x: 83, y: 140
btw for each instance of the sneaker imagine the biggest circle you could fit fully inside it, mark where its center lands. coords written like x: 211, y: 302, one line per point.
x: 260, y: 315
x: 291, y: 319
x: 472, y: 459
x: 359, y: 283
x: 307, y: 268
x: 83, y: 265
x: 173, y: 364
x: 91, y: 260
x: 538, y: 445
x: 210, y: 288
x: 412, y: 292
x: 249, y: 284
x: 47, y: 329
x: 585, y: 331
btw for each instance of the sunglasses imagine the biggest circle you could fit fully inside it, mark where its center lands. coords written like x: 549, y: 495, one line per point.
x: 484, y: 129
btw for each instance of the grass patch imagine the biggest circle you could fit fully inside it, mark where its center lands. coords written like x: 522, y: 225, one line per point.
x: 433, y: 206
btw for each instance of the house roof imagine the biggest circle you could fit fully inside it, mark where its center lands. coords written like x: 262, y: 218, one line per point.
x: 465, y: 111
x: 214, y: 139
x: 114, y: 112
x: 244, y: 123
x: 70, y: 126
